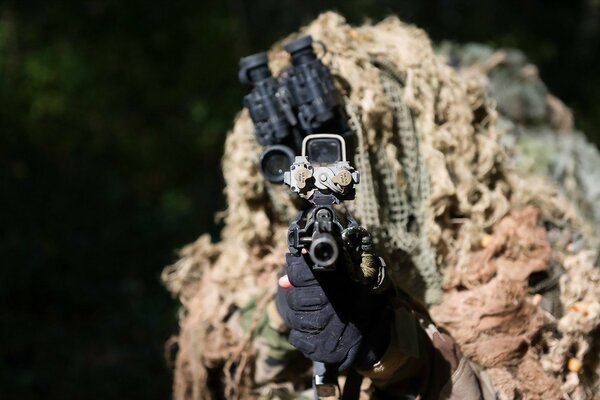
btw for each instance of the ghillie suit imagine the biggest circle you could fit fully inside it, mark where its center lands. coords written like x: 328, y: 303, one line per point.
x: 457, y: 223
x: 562, y: 269
x: 537, y: 127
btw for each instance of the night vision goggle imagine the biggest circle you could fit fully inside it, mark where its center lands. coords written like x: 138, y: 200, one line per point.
x: 301, y: 101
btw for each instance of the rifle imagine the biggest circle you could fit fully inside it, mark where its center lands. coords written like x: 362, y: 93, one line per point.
x: 323, y: 176
x: 300, y: 112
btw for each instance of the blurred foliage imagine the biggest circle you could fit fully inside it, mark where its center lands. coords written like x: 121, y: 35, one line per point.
x: 112, y: 121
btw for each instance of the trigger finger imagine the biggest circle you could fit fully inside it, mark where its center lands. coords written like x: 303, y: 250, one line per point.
x: 298, y: 272
x: 302, y: 341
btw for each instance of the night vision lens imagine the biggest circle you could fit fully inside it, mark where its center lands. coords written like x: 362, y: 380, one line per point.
x: 275, y: 161
x: 324, y: 150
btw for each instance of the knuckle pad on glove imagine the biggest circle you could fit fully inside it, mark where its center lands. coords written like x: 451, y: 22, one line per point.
x: 306, y: 299
x: 311, y: 322
x: 336, y: 336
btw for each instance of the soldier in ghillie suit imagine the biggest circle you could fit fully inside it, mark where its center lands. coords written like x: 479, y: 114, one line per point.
x: 503, y: 259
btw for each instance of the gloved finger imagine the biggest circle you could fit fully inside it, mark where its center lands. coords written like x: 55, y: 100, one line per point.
x: 311, y: 298
x: 347, y: 361
x: 311, y: 346
x: 341, y: 351
x: 311, y: 322
x: 304, y: 342
x: 298, y: 271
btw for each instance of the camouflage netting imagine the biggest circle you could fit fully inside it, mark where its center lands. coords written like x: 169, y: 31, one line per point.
x: 504, y: 252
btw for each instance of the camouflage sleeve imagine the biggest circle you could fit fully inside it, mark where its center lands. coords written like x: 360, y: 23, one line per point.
x: 273, y: 350
x: 280, y: 372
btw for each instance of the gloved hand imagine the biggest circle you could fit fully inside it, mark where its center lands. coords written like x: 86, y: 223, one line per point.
x: 333, y: 319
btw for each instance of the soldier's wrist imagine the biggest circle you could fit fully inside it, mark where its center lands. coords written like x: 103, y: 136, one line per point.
x: 403, y: 353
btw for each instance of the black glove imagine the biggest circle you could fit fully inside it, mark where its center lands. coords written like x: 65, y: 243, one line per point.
x: 333, y: 319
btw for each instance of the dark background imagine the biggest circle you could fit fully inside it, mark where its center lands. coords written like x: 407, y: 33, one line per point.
x: 112, y: 121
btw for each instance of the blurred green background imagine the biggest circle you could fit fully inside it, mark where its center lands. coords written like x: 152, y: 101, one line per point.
x: 112, y: 121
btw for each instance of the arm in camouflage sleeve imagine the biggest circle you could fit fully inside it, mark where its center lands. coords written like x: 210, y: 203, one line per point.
x: 424, y: 362
x: 398, y: 348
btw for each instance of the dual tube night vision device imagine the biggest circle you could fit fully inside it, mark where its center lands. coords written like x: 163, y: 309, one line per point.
x: 301, y: 101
